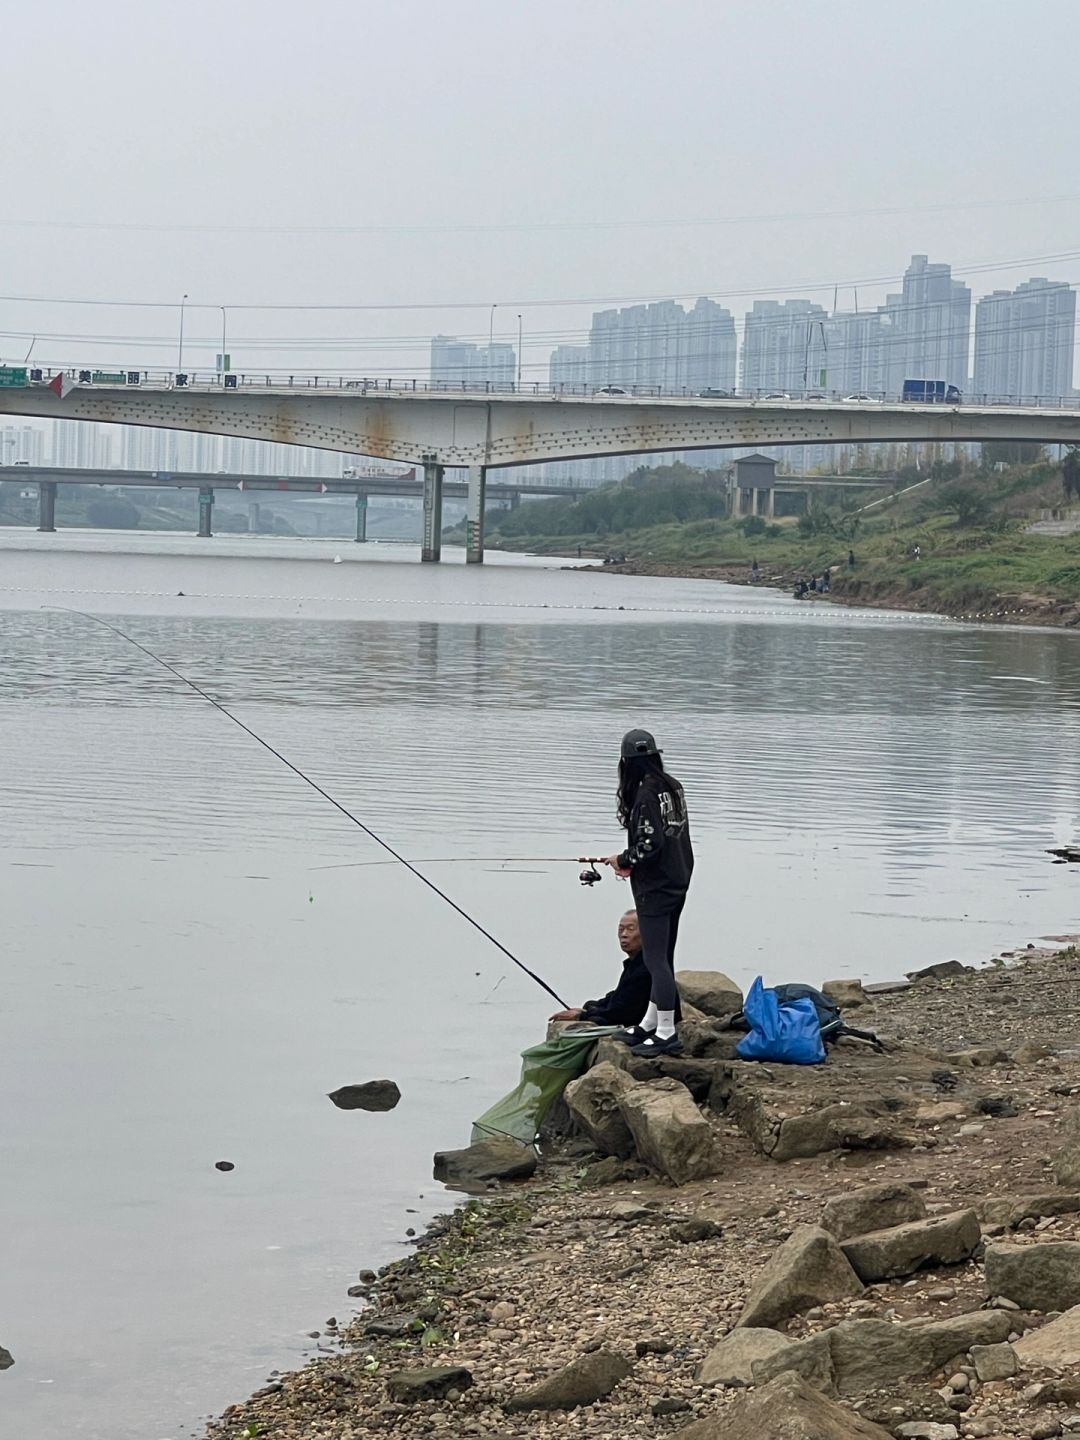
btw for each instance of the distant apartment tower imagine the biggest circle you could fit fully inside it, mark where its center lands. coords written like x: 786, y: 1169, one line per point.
x: 569, y: 367
x: 663, y: 345
x: 21, y: 443
x: 456, y: 363
x: 1024, y: 341
x: 931, y: 327
x: 79, y: 444
x: 786, y: 345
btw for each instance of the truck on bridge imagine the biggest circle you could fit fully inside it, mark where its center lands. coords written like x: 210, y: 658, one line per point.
x: 931, y: 392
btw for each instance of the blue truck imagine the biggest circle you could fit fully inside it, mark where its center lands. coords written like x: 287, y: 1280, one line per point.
x: 931, y: 392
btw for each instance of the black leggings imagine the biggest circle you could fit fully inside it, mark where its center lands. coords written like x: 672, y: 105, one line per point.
x: 658, y: 936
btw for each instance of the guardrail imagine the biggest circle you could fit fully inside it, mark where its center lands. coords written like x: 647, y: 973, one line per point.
x: 209, y: 381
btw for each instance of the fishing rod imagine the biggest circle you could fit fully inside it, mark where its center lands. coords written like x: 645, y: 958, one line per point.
x: 319, y: 790
x: 587, y: 877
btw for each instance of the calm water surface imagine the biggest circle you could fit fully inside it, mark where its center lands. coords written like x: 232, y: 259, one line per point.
x: 197, y: 948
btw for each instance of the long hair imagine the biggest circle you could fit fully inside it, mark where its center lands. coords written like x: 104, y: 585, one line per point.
x: 631, y: 773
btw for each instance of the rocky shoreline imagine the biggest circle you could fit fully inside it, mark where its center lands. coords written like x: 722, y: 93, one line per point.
x: 856, y: 591
x: 885, y: 1245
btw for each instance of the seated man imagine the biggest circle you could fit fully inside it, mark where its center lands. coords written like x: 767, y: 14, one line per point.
x: 627, y: 1003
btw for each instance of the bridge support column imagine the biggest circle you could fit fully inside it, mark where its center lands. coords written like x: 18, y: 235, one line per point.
x: 206, y: 507
x: 47, y: 505
x: 361, y: 519
x: 770, y: 503
x: 474, y: 515
x: 431, y: 549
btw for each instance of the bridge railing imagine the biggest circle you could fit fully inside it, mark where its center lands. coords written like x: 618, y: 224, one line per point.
x: 204, y: 381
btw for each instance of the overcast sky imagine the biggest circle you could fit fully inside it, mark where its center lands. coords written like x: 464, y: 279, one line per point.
x: 457, y: 152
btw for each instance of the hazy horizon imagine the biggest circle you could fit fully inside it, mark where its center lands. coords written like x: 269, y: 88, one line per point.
x: 422, y: 163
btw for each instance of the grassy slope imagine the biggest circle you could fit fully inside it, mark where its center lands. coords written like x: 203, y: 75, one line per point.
x: 961, y: 569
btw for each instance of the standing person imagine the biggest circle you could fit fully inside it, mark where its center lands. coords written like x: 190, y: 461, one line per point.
x: 851, y: 559
x: 659, y: 861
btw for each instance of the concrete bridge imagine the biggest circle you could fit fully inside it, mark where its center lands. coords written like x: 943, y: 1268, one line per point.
x: 481, y: 431
x: 363, y: 486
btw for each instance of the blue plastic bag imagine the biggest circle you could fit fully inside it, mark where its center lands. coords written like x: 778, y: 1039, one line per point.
x: 787, y: 1034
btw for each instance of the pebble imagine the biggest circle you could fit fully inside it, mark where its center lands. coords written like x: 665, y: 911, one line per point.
x: 943, y: 1292
x: 224, y: 1165
x: 959, y: 1382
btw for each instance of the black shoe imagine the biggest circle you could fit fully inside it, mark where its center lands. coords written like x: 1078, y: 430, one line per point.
x: 654, y: 1046
x: 634, y: 1036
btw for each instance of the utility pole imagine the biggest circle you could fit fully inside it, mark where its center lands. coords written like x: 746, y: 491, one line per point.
x: 519, y: 354
x: 180, y: 348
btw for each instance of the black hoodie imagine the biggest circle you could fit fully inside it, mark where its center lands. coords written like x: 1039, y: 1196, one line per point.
x: 658, y: 854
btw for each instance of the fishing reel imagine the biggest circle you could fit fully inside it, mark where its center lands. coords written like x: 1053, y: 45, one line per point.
x: 590, y: 875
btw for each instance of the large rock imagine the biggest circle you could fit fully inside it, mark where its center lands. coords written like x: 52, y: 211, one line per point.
x: 848, y: 994
x: 670, y: 1134
x: 407, y: 1387
x: 942, y: 970
x: 584, y: 1380
x: 709, y: 991
x: 594, y: 1102
x: 903, y: 1249
x: 6, y: 1359
x: 1067, y: 1164
x: 862, y: 1355
x: 827, y: 1127
x: 994, y: 1362
x: 371, y: 1095
x: 1037, y: 1277
x: 1011, y: 1209
x: 699, y: 1076
x: 1055, y: 1344
x: 731, y: 1361
x: 811, y: 1358
x: 473, y: 1167
x: 706, y: 1039
x: 808, y: 1269
x: 956, y: 1334
x: 787, y: 1408
x: 873, y: 1207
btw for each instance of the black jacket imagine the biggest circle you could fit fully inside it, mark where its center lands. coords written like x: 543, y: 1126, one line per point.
x: 627, y: 1003
x: 658, y: 854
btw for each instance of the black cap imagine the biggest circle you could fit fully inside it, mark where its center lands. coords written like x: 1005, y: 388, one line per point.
x: 639, y: 742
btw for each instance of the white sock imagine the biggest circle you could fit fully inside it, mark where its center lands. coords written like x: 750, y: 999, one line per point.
x: 649, y: 1022
x: 665, y: 1024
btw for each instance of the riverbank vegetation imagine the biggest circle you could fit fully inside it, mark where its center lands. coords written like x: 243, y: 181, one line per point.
x: 954, y: 538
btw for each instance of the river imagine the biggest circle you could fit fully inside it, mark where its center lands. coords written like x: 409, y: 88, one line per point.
x: 197, y: 947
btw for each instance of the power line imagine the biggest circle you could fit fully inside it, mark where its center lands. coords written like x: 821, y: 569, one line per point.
x: 451, y: 227
x: 699, y: 292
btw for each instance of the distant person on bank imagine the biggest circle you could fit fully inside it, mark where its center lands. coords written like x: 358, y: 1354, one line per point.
x: 626, y: 1004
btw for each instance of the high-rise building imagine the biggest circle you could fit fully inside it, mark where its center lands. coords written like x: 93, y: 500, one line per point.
x: 79, y: 444
x: 786, y: 347
x: 862, y: 345
x: 22, y: 442
x: 931, y: 327
x: 1024, y: 341
x: 569, y: 366
x: 459, y: 362
x: 665, y: 346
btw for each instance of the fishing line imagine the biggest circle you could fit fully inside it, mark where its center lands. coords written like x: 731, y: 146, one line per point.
x: 318, y: 788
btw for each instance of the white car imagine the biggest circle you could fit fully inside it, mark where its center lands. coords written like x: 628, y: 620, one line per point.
x: 777, y: 395
x: 861, y: 399
x: 612, y: 390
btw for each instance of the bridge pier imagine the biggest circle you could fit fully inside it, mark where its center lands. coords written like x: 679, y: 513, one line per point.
x: 474, y: 515
x: 361, y: 518
x: 431, y: 549
x: 206, y: 507
x: 47, y: 506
